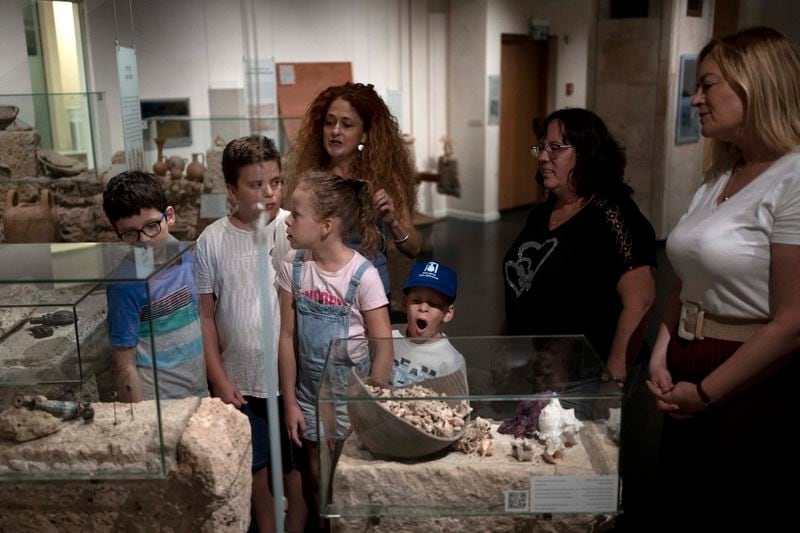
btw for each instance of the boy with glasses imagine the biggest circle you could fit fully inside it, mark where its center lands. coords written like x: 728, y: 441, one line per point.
x: 136, y: 206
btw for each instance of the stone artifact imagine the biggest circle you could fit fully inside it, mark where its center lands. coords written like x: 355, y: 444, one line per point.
x: 8, y: 113
x: 42, y: 331
x: 58, y: 165
x: 29, y: 222
x: 196, y: 168
x: 65, y: 410
x: 118, y: 158
x: 160, y: 166
x: 176, y: 165
x: 18, y: 424
x: 63, y: 317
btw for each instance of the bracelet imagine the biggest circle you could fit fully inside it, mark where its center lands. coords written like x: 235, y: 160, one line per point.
x: 704, y: 396
x: 404, y: 239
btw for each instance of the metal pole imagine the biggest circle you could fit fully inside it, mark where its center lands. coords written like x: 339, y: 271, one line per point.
x: 268, y: 346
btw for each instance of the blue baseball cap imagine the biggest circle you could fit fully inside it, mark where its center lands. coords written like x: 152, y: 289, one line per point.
x: 434, y: 275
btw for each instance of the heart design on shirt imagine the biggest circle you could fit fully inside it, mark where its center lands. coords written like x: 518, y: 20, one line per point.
x: 519, y: 274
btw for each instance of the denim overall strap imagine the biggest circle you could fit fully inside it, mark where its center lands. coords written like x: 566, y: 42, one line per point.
x: 355, y: 281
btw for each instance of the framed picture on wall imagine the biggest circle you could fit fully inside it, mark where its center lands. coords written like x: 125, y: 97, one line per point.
x: 687, y: 127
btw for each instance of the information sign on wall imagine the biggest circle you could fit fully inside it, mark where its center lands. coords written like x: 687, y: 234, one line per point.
x: 131, y: 112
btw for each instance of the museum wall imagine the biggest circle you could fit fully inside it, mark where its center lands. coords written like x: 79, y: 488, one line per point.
x: 476, y: 30
x: 14, y: 75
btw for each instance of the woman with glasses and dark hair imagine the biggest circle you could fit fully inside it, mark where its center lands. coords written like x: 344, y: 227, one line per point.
x: 725, y: 365
x: 583, y: 263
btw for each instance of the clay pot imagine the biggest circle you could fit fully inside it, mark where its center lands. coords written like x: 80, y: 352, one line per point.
x: 160, y: 166
x: 176, y: 165
x: 8, y: 113
x: 30, y: 222
x: 196, y: 168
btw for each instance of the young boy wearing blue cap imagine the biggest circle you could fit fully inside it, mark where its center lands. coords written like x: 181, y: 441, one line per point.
x: 422, y: 351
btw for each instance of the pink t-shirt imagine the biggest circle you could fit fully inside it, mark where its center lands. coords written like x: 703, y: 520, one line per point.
x: 331, y: 287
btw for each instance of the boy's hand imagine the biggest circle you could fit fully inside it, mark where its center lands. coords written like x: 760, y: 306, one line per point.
x: 295, y: 423
x: 229, y: 393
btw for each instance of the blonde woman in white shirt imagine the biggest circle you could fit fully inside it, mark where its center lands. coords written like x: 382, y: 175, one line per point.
x: 725, y: 365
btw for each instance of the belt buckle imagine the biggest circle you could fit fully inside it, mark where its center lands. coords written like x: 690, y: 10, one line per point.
x: 696, y: 333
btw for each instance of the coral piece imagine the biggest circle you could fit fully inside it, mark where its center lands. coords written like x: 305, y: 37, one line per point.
x: 522, y: 450
x: 525, y: 421
x: 477, y: 438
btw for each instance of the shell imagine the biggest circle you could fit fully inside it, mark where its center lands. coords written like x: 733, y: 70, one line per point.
x: 558, y: 430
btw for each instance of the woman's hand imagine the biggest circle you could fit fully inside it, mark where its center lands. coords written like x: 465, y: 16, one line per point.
x: 384, y: 206
x: 682, y: 401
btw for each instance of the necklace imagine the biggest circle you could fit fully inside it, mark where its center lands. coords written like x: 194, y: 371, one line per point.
x: 726, y: 194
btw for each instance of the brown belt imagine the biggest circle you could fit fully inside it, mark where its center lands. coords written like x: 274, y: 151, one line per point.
x: 696, y: 324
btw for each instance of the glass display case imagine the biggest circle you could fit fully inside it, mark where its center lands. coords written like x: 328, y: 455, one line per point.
x: 73, y: 125
x: 56, y: 303
x: 186, y: 135
x: 528, y: 427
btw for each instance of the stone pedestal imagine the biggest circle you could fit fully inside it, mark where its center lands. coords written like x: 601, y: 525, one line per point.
x: 207, y: 489
x: 18, y: 152
x: 445, y: 488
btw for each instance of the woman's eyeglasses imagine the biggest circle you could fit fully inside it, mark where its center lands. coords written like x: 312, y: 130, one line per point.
x: 552, y: 149
x: 151, y: 229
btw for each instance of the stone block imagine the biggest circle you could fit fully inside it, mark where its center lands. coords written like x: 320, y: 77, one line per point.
x: 207, y: 488
x: 18, y: 152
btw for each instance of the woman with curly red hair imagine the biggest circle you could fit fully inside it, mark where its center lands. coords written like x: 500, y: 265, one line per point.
x: 349, y: 131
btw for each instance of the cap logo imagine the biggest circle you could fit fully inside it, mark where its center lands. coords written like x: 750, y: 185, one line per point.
x: 432, y: 267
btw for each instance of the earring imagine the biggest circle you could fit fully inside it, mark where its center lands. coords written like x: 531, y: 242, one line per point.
x: 360, y: 147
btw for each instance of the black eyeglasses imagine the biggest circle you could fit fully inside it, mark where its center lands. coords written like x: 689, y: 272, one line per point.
x: 552, y: 149
x: 151, y: 229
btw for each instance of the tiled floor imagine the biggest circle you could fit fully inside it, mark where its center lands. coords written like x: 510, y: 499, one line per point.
x: 475, y: 250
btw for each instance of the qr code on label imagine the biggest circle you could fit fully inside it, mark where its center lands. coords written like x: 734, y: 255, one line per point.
x: 517, y: 501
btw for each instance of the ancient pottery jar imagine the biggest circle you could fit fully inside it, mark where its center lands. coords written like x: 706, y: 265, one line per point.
x: 196, y: 168
x: 8, y: 113
x: 176, y: 165
x: 30, y: 222
x: 160, y: 166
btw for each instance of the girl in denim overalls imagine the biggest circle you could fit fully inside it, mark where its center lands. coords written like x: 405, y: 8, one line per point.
x: 328, y: 291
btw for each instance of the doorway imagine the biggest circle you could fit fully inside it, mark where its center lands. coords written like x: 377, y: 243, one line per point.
x: 523, y: 101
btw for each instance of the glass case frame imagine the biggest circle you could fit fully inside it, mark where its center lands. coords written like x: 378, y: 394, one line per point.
x: 500, y: 374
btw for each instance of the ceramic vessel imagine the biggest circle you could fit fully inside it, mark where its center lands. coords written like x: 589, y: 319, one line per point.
x: 7, y: 115
x: 160, y: 166
x: 196, y: 168
x: 29, y: 222
x: 176, y: 165
x: 57, y: 165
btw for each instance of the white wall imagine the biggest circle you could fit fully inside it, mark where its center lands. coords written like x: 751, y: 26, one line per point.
x: 14, y: 75
x: 477, y: 28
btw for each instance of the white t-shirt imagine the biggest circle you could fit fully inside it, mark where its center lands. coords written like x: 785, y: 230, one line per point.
x: 331, y: 287
x: 418, y: 361
x: 227, y: 266
x: 722, y: 252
